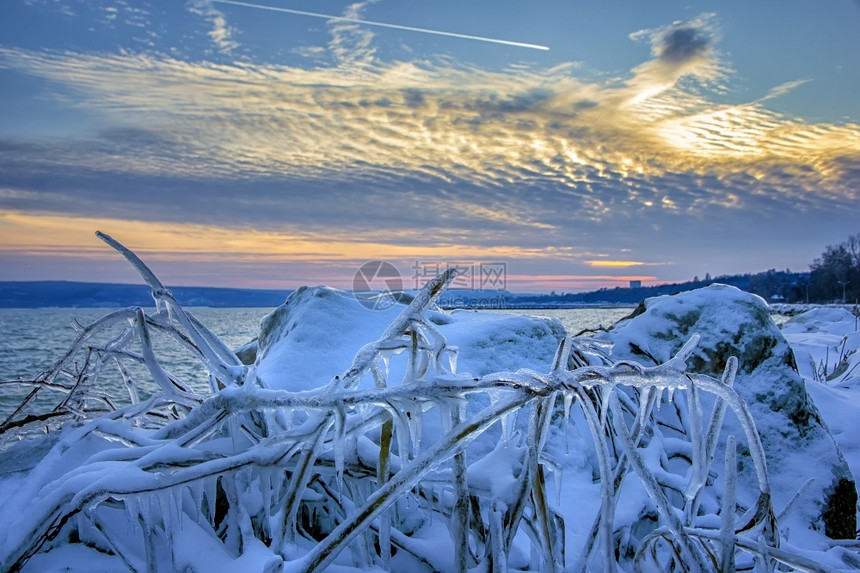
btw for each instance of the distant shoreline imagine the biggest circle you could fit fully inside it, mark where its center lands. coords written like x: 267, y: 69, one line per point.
x: 783, y: 309
x: 69, y: 294
x: 607, y: 306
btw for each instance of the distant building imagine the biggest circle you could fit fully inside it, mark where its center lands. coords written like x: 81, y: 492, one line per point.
x: 635, y: 284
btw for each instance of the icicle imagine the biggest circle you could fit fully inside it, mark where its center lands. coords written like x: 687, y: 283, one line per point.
x: 163, y: 503
x: 233, y: 424
x: 195, y: 493
x: 701, y: 462
x: 385, y: 359
x: 338, y: 446
x: 210, y: 489
x: 568, y: 403
x: 445, y: 406
x: 276, y: 482
x: 504, y: 423
x: 145, y: 509
x: 176, y: 505
x: 401, y: 432
x: 413, y: 415
x: 385, y: 541
x: 132, y: 513
x: 411, y: 375
x: 453, y: 353
x: 265, y: 477
x: 644, y: 402
x: 423, y: 365
x: 727, y: 526
x: 604, y: 404
x: 497, y: 543
x: 557, y: 474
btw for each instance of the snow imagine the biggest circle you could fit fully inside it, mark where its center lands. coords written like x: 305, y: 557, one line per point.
x: 494, y: 473
x: 209, y: 490
x: 826, y: 342
x: 75, y: 558
x: 314, y: 337
x: 317, y: 332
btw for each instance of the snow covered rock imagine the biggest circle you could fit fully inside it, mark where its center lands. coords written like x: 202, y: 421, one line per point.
x: 315, y: 334
x: 798, y: 445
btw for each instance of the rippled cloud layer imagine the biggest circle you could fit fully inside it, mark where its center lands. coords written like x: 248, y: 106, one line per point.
x: 432, y: 156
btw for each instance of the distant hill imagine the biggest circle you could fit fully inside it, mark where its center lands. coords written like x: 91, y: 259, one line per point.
x: 37, y: 294
x: 772, y: 285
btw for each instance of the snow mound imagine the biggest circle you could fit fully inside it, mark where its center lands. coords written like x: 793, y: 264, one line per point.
x: 313, y: 336
x: 838, y: 321
x: 797, y: 443
x: 826, y: 342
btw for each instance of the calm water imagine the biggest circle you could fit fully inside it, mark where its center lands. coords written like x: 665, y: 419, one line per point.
x: 576, y: 320
x: 31, y: 341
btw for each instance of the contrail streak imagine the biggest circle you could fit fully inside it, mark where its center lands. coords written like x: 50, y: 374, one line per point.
x: 383, y: 25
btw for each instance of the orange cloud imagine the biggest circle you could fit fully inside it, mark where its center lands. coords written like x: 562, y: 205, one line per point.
x: 613, y: 264
x: 73, y: 236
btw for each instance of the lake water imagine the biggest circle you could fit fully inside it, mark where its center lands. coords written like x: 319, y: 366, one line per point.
x: 32, y: 340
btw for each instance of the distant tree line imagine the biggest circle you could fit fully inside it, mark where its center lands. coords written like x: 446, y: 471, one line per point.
x: 773, y: 285
x: 835, y: 275
x: 832, y: 276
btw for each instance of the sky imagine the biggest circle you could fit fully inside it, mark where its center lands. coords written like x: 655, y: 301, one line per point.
x: 575, y: 145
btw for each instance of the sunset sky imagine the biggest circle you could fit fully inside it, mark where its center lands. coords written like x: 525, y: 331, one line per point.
x: 233, y: 145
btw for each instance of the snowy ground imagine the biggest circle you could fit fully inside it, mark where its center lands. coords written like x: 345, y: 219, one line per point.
x: 825, y: 343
